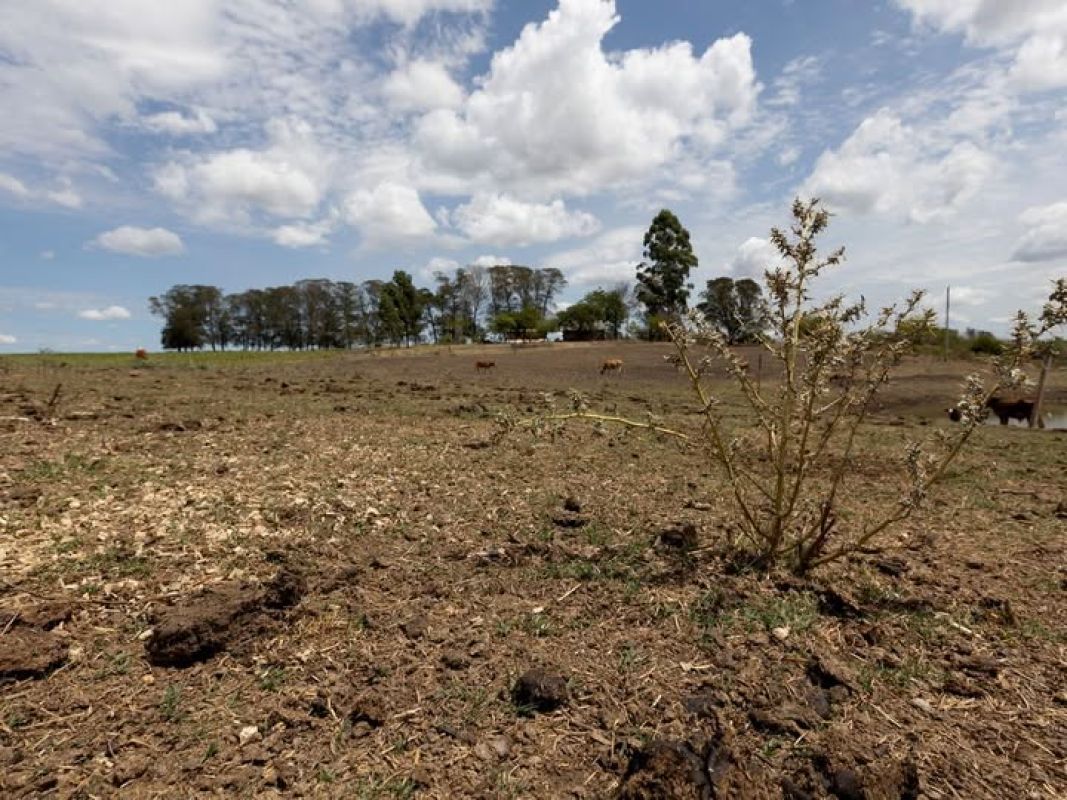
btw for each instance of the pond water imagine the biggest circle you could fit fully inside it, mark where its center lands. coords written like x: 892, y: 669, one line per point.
x: 1054, y: 420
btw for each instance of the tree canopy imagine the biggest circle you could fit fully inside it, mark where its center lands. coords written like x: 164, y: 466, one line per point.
x: 735, y: 308
x: 662, y: 278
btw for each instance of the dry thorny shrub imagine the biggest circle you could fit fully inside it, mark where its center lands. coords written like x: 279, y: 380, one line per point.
x: 788, y: 463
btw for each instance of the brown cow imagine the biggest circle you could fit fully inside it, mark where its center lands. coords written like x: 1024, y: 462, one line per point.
x: 611, y: 365
x: 484, y: 366
x: 141, y: 354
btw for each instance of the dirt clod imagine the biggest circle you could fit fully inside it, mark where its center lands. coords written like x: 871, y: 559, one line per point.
x: 846, y: 784
x: 416, y: 627
x: 539, y: 690
x: 202, y: 626
x: 701, y: 770
x: 29, y: 653
x: 679, y: 537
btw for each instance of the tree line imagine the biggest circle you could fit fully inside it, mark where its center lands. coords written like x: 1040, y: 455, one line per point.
x: 318, y: 313
x: 469, y: 304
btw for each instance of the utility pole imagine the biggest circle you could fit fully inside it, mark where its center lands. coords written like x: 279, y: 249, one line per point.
x: 948, y: 290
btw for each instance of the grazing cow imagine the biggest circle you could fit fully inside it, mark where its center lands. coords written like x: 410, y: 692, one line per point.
x: 1011, y: 409
x: 484, y: 366
x: 141, y: 354
x: 611, y: 365
x: 1004, y: 409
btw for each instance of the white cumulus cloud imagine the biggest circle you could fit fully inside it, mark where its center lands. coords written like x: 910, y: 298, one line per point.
x: 610, y: 258
x: 754, y: 257
x: 7, y: 339
x: 303, y: 234
x: 388, y: 213
x: 105, y: 314
x: 421, y: 86
x: 134, y: 241
x: 557, y: 113
x: 1034, y: 31
x: 502, y: 220
x: 1046, y: 237
x: 286, y: 179
x: 888, y: 167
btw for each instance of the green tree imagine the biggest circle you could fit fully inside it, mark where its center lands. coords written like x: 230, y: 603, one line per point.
x: 600, y: 310
x: 410, y: 303
x: 186, y: 311
x: 735, y: 308
x: 662, y: 278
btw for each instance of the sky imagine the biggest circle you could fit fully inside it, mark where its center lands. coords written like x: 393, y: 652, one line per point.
x: 252, y: 143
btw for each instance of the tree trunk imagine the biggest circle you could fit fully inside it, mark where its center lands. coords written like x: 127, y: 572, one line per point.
x: 1035, y: 412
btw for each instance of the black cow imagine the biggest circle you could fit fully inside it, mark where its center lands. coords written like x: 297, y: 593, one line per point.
x: 1010, y: 409
x: 1004, y: 409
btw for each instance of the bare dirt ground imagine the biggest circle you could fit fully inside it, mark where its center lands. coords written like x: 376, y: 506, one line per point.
x: 324, y: 577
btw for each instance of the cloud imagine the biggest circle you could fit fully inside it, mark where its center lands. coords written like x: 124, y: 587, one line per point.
x: 177, y: 124
x: 409, y: 12
x: 303, y: 234
x: 754, y: 257
x: 556, y: 113
x: 6, y: 339
x: 1046, y: 238
x: 421, y: 86
x: 794, y: 75
x: 76, y: 71
x: 499, y: 219
x: 389, y: 213
x: 610, y: 258
x: 48, y: 255
x: 286, y: 179
x: 104, y: 314
x: 491, y: 260
x: 13, y: 185
x: 64, y: 196
x: 133, y: 241
x: 1033, y: 31
x: 888, y: 167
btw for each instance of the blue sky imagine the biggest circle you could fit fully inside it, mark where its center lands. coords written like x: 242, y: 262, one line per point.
x: 247, y: 143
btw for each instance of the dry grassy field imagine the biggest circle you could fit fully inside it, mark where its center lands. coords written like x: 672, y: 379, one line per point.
x: 325, y: 575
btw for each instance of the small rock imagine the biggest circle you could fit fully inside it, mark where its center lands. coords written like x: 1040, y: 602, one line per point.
x: 416, y: 627
x: 781, y: 634
x: 501, y: 746
x: 540, y: 690
x: 923, y: 705
x: 148, y: 680
x: 249, y: 733
x: 145, y: 635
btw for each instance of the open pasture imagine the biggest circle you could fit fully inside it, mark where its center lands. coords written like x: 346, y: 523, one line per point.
x: 323, y: 574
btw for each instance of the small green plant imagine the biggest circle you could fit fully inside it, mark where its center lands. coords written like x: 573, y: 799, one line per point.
x: 169, y: 706
x: 271, y: 679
